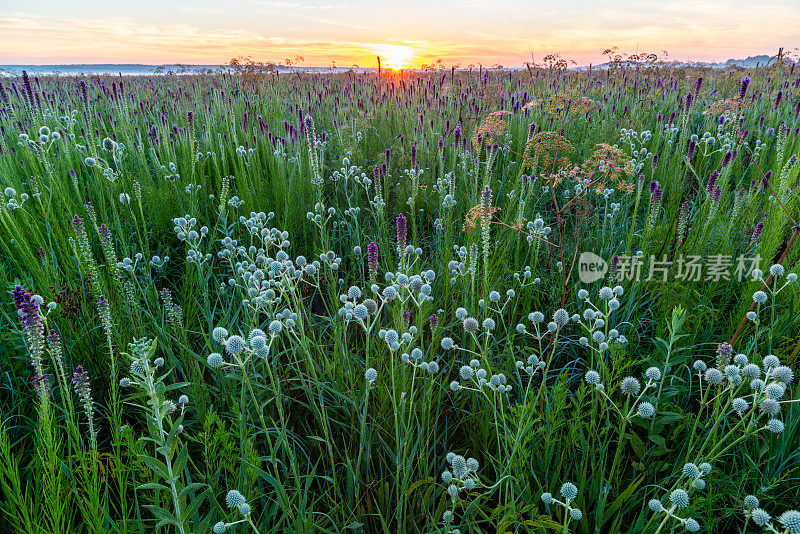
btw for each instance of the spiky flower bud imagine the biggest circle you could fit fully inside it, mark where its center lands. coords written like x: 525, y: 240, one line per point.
x: 679, y: 498
x: 233, y: 499
x: 569, y: 490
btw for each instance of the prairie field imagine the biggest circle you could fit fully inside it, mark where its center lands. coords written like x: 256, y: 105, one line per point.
x: 443, y: 301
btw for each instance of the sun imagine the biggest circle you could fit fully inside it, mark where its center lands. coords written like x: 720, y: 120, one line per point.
x: 395, y: 57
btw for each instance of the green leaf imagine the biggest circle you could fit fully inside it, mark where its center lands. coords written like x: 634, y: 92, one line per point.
x: 152, y: 486
x: 622, y: 498
x: 194, y: 505
x: 636, y: 444
x: 161, y: 513
x: 157, y: 466
x: 194, y: 486
x: 180, y: 461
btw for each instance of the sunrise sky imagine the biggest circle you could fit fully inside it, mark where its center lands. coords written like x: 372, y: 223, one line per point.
x: 404, y: 33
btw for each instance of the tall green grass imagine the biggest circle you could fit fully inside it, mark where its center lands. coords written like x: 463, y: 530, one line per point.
x: 184, y: 204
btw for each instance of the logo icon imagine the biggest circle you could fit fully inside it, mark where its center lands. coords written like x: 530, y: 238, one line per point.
x: 591, y: 267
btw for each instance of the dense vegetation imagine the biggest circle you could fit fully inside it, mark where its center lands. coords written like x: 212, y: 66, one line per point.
x: 354, y: 303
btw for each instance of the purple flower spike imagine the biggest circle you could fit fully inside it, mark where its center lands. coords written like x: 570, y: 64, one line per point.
x: 743, y: 87
x: 402, y: 231
x: 372, y: 259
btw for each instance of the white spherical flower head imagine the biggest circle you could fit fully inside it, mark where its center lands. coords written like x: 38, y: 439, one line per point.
x: 714, y: 376
x: 691, y: 525
x: 783, y: 374
x: 653, y: 373
x: 646, y: 409
x: 759, y: 297
x: 371, y: 375
x: 777, y: 270
x: 470, y: 325
x: 360, y: 312
x: 790, y: 519
x: 630, y: 386
x: 679, y: 498
x: 691, y: 470
x: 258, y: 343
x: 466, y: 372
x: 751, y: 501
x: 731, y: 371
x: 459, y: 466
x: 740, y: 405
x: 234, y: 345
x: 560, y: 317
x: 655, y: 505
x: 219, y: 335
x: 215, y: 360
x: 760, y: 517
x: 775, y: 426
x: 233, y: 499
x: 775, y: 390
x: 751, y: 371
x: 354, y: 292
x: 569, y: 490
x: 592, y: 378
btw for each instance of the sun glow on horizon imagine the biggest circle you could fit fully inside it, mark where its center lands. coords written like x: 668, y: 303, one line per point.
x: 395, y: 57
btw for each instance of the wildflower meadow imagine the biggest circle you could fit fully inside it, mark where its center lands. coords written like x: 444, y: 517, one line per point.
x: 441, y: 301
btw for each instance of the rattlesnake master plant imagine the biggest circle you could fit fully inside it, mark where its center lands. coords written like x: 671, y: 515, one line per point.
x: 258, y: 302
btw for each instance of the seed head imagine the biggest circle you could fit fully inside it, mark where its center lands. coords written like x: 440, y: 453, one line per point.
x: 630, y: 386
x: 679, y: 498
x: 791, y: 520
x: 646, y: 409
x: 234, y: 345
x: 569, y: 490
x: 760, y: 517
x: 592, y: 378
x: 233, y: 499
x: 371, y: 375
